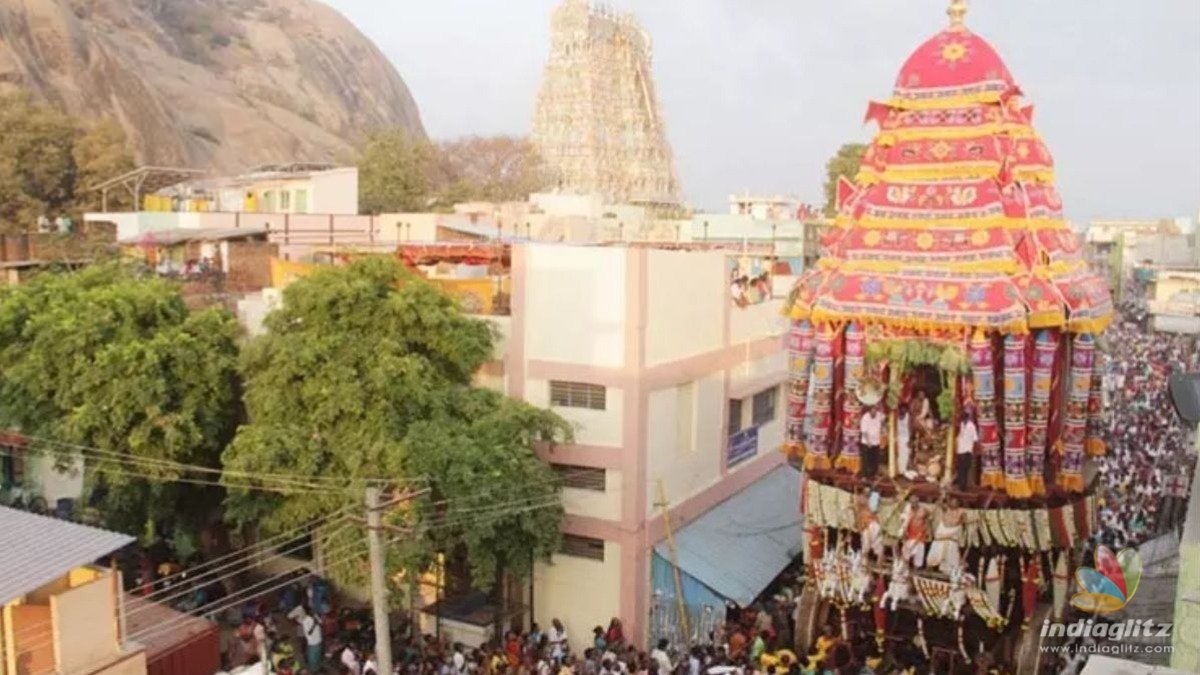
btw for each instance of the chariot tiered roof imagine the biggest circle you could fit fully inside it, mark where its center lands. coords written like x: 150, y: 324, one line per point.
x: 954, y: 220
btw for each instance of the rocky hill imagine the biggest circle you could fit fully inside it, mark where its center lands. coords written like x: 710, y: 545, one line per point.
x: 220, y: 84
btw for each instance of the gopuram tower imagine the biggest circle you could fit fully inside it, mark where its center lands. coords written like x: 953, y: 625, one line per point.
x: 597, y: 122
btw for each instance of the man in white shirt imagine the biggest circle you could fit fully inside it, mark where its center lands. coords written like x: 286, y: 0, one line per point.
x: 904, y: 443
x: 459, y: 660
x: 350, y: 660
x: 659, y: 655
x: 310, y: 629
x: 557, y: 637
x: 968, y: 437
x: 871, y: 440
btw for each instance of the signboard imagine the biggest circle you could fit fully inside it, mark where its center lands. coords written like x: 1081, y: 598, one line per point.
x: 742, y: 446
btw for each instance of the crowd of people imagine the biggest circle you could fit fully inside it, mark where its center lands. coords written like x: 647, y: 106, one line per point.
x: 1143, y: 481
x: 1146, y: 474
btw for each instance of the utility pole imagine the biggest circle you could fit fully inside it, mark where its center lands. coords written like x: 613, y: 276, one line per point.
x: 379, y: 595
x: 681, y: 604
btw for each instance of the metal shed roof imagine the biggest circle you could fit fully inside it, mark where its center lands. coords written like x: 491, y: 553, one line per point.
x: 739, y: 546
x: 39, y: 550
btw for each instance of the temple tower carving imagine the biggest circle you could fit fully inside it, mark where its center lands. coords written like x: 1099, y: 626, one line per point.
x: 597, y: 121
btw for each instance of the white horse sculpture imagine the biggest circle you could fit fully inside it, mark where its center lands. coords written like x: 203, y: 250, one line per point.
x: 960, y: 581
x: 859, y: 578
x: 900, y: 585
x: 827, y: 576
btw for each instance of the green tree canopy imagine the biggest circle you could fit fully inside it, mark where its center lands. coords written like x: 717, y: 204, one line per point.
x: 366, y: 372
x: 48, y: 161
x: 398, y: 173
x: 116, y: 363
x: 102, y: 152
x: 845, y: 163
x: 393, y: 173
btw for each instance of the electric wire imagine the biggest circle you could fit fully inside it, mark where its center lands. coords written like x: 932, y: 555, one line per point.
x: 26, y: 632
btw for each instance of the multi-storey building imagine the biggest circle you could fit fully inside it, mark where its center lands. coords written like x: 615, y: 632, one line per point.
x: 676, y: 391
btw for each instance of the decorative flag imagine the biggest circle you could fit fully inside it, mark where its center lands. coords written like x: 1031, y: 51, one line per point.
x: 1016, y: 480
x: 845, y: 192
x: 984, y: 369
x: 877, y: 112
x: 850, y: 458
x: 1045, y: 347
x: 817, y: 445
x: 800, y: 351
x: 1070, y: 474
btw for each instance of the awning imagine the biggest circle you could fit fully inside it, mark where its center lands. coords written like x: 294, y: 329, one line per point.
x: 739, y: 546
x: 39, y: 550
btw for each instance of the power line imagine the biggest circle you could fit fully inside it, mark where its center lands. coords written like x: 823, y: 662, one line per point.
x: 269, y: 542
x: 212, y: 608
x: 281, y: 552
x: 278, y: 478
x: 347, y: 553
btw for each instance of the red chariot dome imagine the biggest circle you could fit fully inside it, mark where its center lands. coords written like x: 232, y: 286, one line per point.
x: 954, y: 222
x: 953, y: 64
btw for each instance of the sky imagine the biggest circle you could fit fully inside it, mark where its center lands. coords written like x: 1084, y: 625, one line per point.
x: 758, y: 94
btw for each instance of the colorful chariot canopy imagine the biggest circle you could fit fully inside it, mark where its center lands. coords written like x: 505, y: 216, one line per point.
x: 954, y: 220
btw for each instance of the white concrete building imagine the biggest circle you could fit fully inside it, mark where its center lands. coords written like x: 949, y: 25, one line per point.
x: 765, y: 207
x: 672, y: 387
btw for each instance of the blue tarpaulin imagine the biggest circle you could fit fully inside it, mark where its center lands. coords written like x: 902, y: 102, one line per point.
x: 738, y: 547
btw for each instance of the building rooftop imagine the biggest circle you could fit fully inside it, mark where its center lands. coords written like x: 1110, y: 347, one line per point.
x: 41, y: 549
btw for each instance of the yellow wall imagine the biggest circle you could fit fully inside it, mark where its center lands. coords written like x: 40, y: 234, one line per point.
x: 582, y: 593
x: 82, y: 575
x: 1170, y: 283
x: 478, y: 296
x: 85, y: 627
x: 284, y: 272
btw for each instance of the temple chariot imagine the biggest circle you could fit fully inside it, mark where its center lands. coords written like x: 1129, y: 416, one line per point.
x: 944, y: 396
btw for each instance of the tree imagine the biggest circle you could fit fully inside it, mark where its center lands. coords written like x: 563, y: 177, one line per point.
x: 102, y: 152
x: 115, y: 363
x: 393, y: 173
x: 365, y: 372
x: 36, y: 147
x: 845, y: 163
x: 495, y: 168
x: 48, y: 161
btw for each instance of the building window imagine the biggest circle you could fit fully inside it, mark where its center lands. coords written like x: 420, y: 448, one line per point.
x: 301, y: 201
x: 285, y: 200
x: 582, y: 547
x: 735, y: 416
x: 764, y: 406
x: 577, y: 395
x: 580, y: 477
